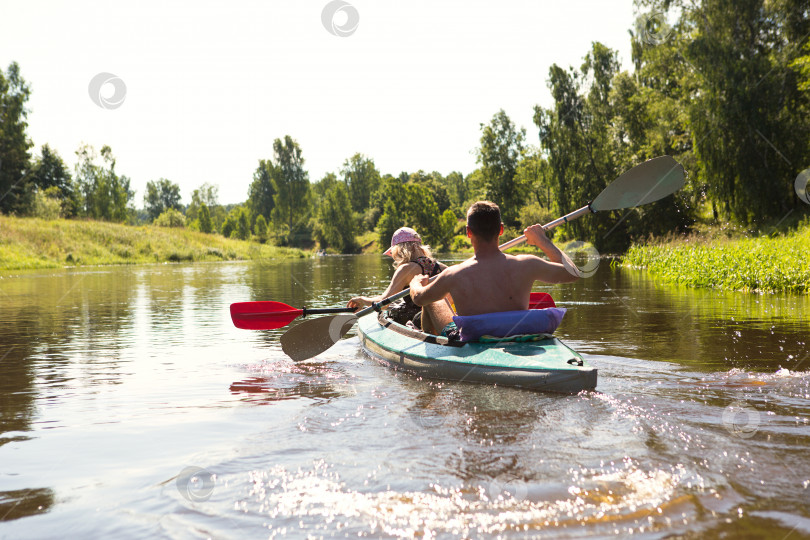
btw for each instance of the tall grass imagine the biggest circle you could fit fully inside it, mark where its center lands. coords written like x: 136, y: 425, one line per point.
x: 747, y: 264
x: 37, y: 243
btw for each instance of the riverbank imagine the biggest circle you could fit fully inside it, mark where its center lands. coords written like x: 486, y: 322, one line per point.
x: 763, y: 264
x: 31, y: 243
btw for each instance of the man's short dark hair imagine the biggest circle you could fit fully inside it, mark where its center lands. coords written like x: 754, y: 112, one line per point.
x: 484, y: 220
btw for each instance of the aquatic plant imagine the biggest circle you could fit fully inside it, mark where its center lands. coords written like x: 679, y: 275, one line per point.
x: 767, y: 264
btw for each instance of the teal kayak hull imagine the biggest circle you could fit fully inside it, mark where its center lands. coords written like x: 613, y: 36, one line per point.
x: 547, y: 365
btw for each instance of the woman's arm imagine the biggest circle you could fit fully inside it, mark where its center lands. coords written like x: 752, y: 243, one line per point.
x: 402, y: 276
x: 361, y: 301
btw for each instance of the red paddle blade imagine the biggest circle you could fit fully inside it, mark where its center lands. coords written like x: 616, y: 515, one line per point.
x: 541, y: 300
x: 263, y: 315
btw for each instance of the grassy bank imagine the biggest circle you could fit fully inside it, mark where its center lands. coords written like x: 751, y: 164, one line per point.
x: 36, y: 243
x: 745, y: 264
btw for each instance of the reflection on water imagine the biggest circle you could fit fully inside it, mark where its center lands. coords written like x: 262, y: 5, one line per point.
x: 25, y: 502
x: 292, y: 381
x: 115, y: 382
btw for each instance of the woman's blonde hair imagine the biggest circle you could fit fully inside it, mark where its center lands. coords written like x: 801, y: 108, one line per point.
x: 406, y: 252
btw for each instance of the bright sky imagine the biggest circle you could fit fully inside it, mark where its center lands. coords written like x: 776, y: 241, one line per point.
x: 210, y: 85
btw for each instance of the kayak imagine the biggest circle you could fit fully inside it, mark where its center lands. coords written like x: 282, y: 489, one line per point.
x: 547, y: 365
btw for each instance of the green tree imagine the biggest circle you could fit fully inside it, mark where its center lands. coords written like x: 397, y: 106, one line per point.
x: 290, y: 181
x: 651, y: 119
x: 207, y: 194
x: 534, y: 176
x: 47, y: 204
x: 229, y: 224
x: 391, y: 197
x: 392, y: 219
x: 335, y: 218
x: 160, y: 196
x: 476, y: 188
x: 171, y: 217
x: 242, y: 225
x: 390, y: 189
x: 324, y: 185
x: 321, y: 188
x: 50, y: 173
x: 422, y: 212
x: 219, y: 214
x: 260, y: 228
x: 802, y: 67
x: 501, y: 148
x: 362, y: 178
x: 412, y: 204
x: 435, y: 183
x: 318, y: 196
x: 458, y: 191
x: 747, y: 122
x: 731, y: 72
x: 261, y: 194
x: 534, y: 213
x: 581, y: 151
x: 439, y: 192
x: 14, y: 142
x: 103, y: 193
x: 204, y: 218
x: 447, y: 226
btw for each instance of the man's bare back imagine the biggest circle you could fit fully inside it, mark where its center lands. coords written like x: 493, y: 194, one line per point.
x: 499, y: 282
x: 492, y: 281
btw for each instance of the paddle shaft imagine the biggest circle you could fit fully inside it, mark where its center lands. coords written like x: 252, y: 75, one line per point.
x: 321, y: 311
x: 551, y: 224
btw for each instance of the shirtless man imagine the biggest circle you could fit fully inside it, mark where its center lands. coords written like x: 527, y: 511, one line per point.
x: 491, y: 281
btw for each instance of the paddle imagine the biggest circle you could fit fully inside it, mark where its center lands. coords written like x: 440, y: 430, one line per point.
x: 644, y: 183
x: 272, y: 315
x: 540, y: 300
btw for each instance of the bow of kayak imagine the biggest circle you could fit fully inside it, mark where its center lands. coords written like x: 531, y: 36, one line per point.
x: 548, y: 365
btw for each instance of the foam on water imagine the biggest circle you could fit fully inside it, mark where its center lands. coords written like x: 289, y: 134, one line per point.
x: 624, y: 499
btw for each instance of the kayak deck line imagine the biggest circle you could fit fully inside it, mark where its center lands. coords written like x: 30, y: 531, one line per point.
x: 417, y: 334
x: 547, y: 364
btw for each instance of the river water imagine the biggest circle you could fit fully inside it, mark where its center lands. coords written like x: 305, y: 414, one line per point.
x: 132, y: 408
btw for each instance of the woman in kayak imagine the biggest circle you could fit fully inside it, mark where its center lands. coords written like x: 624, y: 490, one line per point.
x: 411, y: 258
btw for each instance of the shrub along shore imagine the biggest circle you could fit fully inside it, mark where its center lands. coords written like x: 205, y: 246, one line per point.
x: 30, y: 243
x: 763, y: 264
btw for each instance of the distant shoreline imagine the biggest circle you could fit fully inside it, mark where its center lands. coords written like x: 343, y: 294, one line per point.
x: 33, y: 243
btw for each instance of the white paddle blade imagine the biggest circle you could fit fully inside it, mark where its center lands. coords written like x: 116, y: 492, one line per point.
x: 310, y: 338
x: 644, y: 183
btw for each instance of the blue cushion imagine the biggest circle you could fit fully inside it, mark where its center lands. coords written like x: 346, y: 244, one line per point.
x: 509, y: 323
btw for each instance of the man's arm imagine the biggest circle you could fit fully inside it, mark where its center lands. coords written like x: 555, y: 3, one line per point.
x: 561, y: 269
x: 423, y: 292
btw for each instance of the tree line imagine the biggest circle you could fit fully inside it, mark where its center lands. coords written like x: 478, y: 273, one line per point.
x: 725, y: 89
